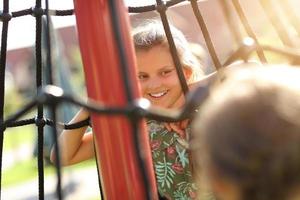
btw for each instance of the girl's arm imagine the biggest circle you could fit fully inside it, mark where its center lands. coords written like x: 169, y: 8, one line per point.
x: 75, y: 145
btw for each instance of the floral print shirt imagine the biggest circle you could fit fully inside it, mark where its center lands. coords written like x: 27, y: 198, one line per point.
x: 171, y: 163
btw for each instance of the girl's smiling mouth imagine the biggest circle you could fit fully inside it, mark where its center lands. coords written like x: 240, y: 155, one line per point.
x: 158, y: 95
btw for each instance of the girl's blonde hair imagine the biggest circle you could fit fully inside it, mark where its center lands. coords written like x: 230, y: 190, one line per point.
x: 151, y: 33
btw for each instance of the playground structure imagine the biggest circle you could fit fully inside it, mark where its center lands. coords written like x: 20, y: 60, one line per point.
x: 115, y: 100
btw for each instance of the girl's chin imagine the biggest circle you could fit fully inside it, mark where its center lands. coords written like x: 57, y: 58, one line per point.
x: 158, y: 104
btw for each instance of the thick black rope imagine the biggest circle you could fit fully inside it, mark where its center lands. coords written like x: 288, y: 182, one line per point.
x: 127, y: 80
x: 161, y: 9
x: 57, y: 155
x: 152, y: 7
x: 206, y: 35
x: 86, y: 122
x: 48, y: 122
x: 20, y: 13
x: 151, y: 112
x: 20, y: 123
x: 141, y: 9
x: 248, y: 29
x: 31, y: 11
x: 61, y: 12
x: 37, y: 13
x: 124, y: 67
x: 49, y: 71
x: 5, y: 18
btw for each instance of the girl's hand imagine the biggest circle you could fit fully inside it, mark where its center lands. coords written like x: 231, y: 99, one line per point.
x: 178, y: 127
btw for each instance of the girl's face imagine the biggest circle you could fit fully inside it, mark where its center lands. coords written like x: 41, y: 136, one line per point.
x: 158, y: 77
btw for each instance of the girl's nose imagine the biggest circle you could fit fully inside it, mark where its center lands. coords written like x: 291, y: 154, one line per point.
x: 154, y: 83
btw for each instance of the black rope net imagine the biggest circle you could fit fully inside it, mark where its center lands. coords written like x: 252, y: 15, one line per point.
x: 246, y: 44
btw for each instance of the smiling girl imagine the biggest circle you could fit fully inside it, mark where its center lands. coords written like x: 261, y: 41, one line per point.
x: 160, y: 85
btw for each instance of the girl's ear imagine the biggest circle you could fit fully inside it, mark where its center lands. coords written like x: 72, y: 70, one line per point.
x: 187, y: 73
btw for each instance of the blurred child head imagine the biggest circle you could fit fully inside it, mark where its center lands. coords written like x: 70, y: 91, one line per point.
x: 247, y: 134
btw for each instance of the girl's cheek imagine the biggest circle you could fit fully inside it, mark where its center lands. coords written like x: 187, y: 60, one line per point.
x: 143, y: 87
x: 172, y: 80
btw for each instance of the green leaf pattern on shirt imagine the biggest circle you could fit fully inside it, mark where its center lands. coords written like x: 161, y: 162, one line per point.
x: 182, y: 157
x: 171, y: 163
x: 164, y: 173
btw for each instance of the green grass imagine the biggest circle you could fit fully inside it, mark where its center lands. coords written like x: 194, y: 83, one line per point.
x: 15, y: 137
x: 27, y: 170
x: 22, y: 172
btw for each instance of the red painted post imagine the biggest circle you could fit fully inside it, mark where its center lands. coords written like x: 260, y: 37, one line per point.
x: 119, y: 171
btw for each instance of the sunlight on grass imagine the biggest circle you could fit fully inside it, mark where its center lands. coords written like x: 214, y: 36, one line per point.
x: 27, y: 170
x: 17, y: 136
x: 24, y: 167
x: 23, y: 171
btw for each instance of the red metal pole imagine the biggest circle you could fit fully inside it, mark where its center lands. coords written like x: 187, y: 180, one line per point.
x: 119, y: 171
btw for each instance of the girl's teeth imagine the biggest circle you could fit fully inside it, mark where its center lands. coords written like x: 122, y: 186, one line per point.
x: 157, y: 94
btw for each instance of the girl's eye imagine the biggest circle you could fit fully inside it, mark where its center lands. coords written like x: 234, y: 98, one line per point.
x: 166, y: 72
x: 142, y: 76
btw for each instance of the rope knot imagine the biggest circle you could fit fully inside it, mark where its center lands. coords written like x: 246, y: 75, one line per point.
x: 40, y: 122
x: 161, y: 7
x: 37, y: 12
x: 5, y: 17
